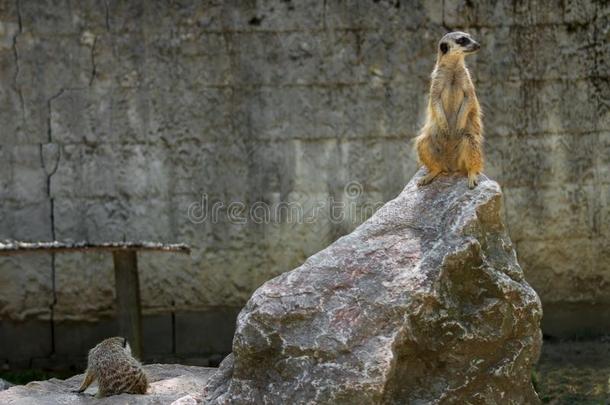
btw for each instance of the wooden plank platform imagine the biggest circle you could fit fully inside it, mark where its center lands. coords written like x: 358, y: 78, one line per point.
x: 125, y: 259
x: 17, y: 247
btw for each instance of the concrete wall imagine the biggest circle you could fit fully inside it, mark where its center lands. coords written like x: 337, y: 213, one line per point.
x: 117, y: 116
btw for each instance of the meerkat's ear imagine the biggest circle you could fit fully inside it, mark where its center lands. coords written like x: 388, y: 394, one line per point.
x: 444, y: 47
x: 124, y: 342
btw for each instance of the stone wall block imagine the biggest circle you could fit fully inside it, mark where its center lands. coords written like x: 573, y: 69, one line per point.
x: 27, y: 288
x: 501, y: 104
x: 23, y: 176
x: 588, y: 272
x: 385, y: 15
x: 28, y: 221
x: 47, y: 69
x: 90, y: 219
x: 144, y: 172
x: 161, y: 275
x: 275, y: 59
x: 269, y: 15
x: 581, y: 12
x: 83, y: 116
x: 193, y: 58
x: 560, y: 106
x: 459, y: 13
x: 538, y: 161
x: 8, y: 12
x: 568, y: 51
x: 202, y: 114
x: 87, y: 171
x: 11, y: 112
x: 215, y: 329
x: 84, y: 285
x: 25, y: 340
x: 497, y: 57
x: 531, y: 12
x: 51, y: 17
x: 565, y: 211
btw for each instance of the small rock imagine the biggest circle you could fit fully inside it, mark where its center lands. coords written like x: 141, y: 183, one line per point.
x: 4, y: 385
x: 185, y: 400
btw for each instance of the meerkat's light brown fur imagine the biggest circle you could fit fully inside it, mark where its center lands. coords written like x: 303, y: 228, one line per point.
x: 115, y: 369
x: 451, y: 140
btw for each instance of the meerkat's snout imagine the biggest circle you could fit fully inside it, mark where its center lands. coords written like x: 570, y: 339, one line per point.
x: 472, y: 47
x: 466, y: 43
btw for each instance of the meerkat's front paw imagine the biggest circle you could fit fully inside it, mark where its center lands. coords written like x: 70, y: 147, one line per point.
x: 423, y: 181
x: 472, y: 181
x: 427, y: 179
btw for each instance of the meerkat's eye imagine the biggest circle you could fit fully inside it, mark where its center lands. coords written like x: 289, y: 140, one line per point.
x: 462, y: 41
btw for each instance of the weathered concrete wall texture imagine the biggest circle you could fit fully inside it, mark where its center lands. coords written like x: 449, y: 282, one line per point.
x: 117, y: 116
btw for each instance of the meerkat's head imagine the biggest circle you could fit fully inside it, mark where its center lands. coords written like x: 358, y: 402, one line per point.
x: 457, y: 44
x: 126, y: 346
x: 118, y: 341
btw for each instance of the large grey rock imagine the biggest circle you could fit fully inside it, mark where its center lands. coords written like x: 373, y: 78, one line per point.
x: 168, y: 383
x: 423, y: 303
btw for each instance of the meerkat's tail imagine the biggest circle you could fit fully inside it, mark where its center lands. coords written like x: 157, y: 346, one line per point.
x: 140, y: 384
x: 88, y: 380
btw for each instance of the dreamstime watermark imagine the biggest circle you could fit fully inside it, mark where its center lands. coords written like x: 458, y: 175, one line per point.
x: 348, y: 207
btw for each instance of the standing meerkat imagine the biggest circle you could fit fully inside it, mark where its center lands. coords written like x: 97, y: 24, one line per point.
x: 111, y: 363
x: 451, y: 140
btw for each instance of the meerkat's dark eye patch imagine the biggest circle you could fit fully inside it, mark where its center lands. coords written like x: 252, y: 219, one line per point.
x: 462, y: 41
x: 444, y: 47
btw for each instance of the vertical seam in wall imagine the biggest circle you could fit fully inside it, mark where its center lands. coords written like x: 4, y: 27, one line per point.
x: 17, y: 66
x: 324, y: 14
x: 19, y: 21
x: 52, y: 217
x: 173, y: 328
x: 596, y: 219
x: 107, y: 15
x: 93, y: 66
x: 53, y: 302
x: 52, y: 171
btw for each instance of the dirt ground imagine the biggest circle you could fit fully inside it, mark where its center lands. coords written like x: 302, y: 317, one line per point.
x: 574, y: 372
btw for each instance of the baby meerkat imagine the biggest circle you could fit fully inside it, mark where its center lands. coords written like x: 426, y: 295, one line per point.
x: 451, y: 140
x: 111, y: 363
